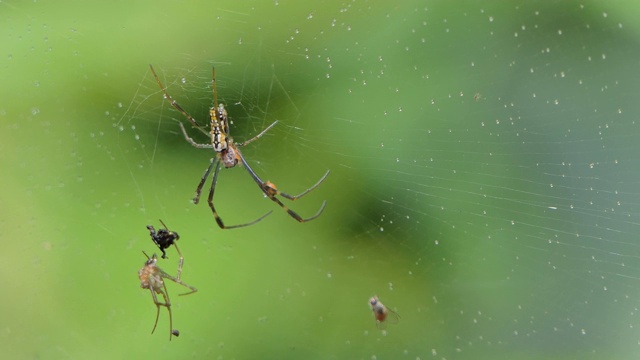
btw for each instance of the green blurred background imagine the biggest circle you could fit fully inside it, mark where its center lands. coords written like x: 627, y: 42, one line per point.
x: 484, y: 163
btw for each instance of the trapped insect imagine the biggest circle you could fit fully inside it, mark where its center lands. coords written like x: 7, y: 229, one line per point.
x: 152, y: 278
x: 382, y: 313
x: 229, y: 155
x: 164, y: 238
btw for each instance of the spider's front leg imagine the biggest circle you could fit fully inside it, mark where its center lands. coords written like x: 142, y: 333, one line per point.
x: 191, y: 141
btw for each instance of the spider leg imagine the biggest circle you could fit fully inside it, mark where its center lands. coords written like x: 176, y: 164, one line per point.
x: 163, y: 224
x: 213, y: 209
x: 214, y: 162
x: 257, y: 136
x: 295, y: 215
x: 270, y: 190
x: 193, y: 289
x: 155, y: 300
x: 294, y: 197
x: 214, y: 89
x: 191, y: 141
x: 166, y: 304
x: 211, y: 192
x: 181, y: 262
x: 179, y: 282
x: 173, y: 102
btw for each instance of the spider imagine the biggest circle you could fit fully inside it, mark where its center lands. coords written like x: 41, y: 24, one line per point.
x: 381, y: 312
x: 151, y: 277
x: 229, y: 155
x: 164, y: 238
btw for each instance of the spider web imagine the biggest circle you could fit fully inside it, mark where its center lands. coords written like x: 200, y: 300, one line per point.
x: 476, y: 197
x: 257, y: 99
x: 484, y: 167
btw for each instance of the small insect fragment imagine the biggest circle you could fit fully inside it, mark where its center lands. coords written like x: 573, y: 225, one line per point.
x: 164, y: 238
x: 151, y: 277
x: 175, y: 332
x: 382, y: 313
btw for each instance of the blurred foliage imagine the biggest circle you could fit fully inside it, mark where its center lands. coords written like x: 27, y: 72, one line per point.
x: 465, y: 142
